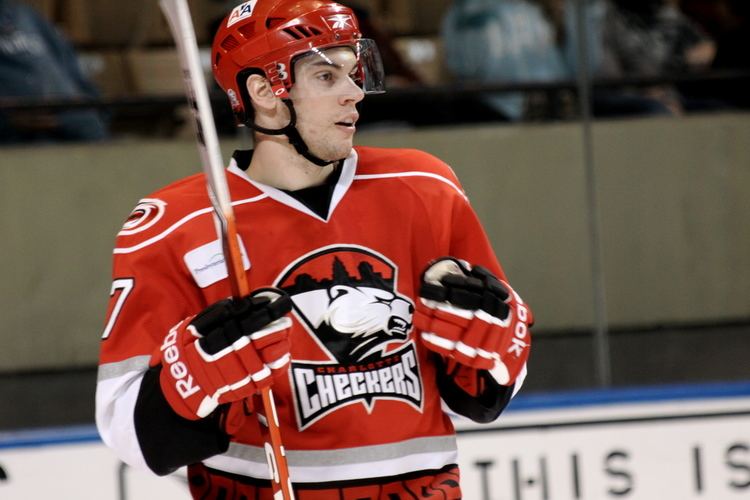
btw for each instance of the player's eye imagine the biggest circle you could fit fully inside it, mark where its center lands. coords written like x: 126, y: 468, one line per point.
x: 325, y: 76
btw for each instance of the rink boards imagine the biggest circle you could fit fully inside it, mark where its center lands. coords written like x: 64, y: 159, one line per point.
x: 658, y: 443
x: 667, y: 443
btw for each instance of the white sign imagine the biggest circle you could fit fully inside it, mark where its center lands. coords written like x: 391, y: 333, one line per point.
x: 83, y: 471
x: 685, y: 449
x: 648, y: 451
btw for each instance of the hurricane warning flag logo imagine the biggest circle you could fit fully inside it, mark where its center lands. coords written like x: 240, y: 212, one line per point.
x: 146, y: 213
x: 346, y: 298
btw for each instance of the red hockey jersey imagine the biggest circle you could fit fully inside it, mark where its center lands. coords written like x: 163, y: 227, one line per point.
x: 360, y: 399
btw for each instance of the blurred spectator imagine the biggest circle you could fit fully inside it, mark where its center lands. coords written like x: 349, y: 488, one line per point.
x: 520, y: 41
x: 37, y: 62
x: 526, y: 41
x: 397, y: 72
x: 563, y: 17
x: 510, y: 41
x: 652, y: 38
x: 728, y: 22
x: 649, y: 38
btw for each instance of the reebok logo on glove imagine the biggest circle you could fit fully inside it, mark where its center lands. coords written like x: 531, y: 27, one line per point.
x: 178, y: 370
x: 521, y: 330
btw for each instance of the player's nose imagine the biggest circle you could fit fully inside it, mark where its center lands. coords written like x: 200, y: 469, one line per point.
x: 351, y: 93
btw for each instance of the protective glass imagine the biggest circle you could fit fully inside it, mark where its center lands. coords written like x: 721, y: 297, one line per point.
x: 371, y: 67
x: 339, y: 70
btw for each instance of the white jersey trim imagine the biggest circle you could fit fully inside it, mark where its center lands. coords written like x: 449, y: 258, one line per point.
x: 343, y: 464
x: 365, y: 177
x: 519, y: 380
x: 184, y: 220
x: 116, y: 394
x: 348, y: 169
x: 116, y: 370
x: 342, y: 186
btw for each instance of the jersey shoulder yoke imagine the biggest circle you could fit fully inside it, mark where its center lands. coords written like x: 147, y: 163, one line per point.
x: 165, y: 210
x: 407, y: 164
x: 383, y: 160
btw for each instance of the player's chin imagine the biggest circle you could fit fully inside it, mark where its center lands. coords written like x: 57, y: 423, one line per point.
x: 338, y: 150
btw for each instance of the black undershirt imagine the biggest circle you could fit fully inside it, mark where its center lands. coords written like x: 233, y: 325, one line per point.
x: 316, y: 198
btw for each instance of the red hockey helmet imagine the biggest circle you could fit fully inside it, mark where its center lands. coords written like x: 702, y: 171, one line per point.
x: 265, y: 36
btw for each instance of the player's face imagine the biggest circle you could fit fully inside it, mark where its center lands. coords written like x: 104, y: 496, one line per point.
x: 325, y: 97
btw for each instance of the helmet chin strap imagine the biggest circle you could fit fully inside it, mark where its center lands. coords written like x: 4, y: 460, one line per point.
x: 295, y: 139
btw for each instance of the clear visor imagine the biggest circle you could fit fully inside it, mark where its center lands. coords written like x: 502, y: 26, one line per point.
x: 339, y: 70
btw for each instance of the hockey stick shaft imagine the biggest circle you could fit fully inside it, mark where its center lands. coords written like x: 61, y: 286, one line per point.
x: 178, y: 16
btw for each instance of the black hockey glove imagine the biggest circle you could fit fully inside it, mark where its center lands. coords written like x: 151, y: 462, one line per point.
x: 226, y: 353
x: 469, y: 315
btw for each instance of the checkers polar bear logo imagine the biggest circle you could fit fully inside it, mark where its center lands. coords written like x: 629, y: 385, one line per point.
x: 354, y: 317
x: 361, y: 323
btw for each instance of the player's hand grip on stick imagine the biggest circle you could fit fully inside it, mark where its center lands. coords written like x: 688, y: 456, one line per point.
x: 226, y: 353
x: 469, y: 315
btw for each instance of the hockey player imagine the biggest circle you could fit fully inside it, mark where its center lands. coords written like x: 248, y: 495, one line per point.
x: 378, y: 297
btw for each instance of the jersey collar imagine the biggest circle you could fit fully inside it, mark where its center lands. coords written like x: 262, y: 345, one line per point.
x: 348, y: 170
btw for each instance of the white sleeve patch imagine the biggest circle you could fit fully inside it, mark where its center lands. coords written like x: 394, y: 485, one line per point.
x: 207, y: 265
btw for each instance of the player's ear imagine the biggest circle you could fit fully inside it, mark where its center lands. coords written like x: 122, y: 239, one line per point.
x: 260, y: 92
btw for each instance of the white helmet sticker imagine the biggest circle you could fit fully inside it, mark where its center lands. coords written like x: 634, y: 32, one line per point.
x: 242, y: 11
x: 340, y: 22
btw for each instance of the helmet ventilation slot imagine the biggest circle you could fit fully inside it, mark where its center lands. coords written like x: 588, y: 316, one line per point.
x: 247, y: 30
x: 299, y: 32
x: 230, y: 43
